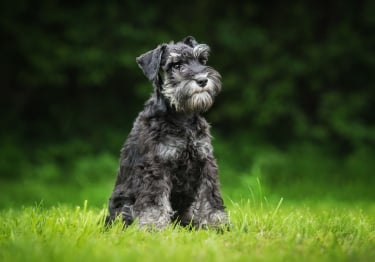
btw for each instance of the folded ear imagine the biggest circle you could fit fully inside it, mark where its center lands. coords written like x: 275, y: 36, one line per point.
x: 190, y: 41
x: 150, y: 62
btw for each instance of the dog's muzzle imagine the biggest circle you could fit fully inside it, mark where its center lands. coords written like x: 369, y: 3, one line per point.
x: 201, y: 81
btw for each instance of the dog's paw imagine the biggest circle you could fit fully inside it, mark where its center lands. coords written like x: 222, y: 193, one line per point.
x: 154, y: 219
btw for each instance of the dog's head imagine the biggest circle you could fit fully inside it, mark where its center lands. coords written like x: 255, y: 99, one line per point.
x: 181, y: 76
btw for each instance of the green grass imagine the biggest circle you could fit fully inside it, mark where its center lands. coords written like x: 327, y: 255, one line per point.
x: 262, y: 231
x: 327, y: 213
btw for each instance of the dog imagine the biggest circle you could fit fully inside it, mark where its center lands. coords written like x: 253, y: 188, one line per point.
x: 167, y: 168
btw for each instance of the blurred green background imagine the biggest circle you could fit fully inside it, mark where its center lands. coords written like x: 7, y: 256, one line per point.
x: 296, y: 114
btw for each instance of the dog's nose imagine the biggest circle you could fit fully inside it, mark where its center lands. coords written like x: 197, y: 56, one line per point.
x: 202, y: 81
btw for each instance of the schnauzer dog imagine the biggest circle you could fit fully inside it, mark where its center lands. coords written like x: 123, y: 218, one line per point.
x: 167, y: 169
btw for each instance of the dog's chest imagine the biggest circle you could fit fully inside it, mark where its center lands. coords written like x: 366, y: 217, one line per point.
x: 185, y: 157
x: 188, y: 148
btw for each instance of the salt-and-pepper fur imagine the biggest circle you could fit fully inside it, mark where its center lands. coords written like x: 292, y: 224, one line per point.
x: 167, y: 169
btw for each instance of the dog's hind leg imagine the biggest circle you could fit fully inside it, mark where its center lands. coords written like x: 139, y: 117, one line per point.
x: 120, y: 204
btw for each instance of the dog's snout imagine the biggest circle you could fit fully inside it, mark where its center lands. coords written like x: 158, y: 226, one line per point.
x: 202, y: 81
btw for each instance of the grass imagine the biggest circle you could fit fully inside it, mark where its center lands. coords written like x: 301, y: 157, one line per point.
x: 327, y: 214
x: 261, y: 232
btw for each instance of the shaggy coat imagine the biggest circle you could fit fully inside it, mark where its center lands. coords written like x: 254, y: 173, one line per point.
x: 167, y: 169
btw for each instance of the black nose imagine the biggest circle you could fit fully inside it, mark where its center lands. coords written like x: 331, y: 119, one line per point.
x: 202, y: 81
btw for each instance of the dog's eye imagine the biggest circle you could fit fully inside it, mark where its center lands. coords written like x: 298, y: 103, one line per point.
x: 203, y: 61
x: 176, y: 66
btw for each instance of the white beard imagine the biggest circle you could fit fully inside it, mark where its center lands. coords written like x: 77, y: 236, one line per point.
x: 188, y: 96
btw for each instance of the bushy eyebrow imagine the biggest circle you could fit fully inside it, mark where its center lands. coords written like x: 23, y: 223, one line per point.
x: 201, y: 50
x: 173, y: 58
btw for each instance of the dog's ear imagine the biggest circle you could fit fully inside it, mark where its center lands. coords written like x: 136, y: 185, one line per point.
x: 150, y: 62
x: 190, y: 41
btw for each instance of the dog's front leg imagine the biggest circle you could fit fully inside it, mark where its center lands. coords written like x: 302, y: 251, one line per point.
x: 152, y: 207
x: 208, y: 209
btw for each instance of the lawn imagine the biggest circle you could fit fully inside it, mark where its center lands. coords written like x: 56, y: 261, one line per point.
x: 308, y: 218
x: 261, y: 231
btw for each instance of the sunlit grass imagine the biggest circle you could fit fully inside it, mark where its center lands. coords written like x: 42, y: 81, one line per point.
x: 260, y: 232
x: 300, y: 218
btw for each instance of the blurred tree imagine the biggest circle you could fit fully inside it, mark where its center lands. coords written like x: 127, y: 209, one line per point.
x: 292, y: 71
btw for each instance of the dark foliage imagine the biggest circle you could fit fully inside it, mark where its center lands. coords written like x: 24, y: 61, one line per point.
x: 292, y: 71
